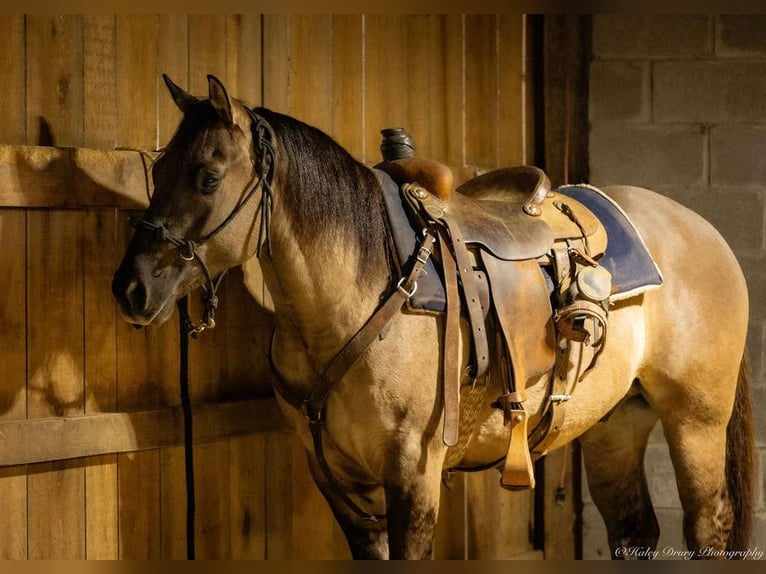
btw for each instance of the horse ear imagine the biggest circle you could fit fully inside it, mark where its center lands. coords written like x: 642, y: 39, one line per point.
x: 183, y: 100
x: 220, y: 99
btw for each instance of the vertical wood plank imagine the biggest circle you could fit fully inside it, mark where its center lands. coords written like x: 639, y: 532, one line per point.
x: 137, y: 75
x: 498, y: 521
x: 440, y: 88
x: 101, y: 253
x: 13, y: 358
x: 54, y: 80
x: 417, y: 41
x: 173, y: 37
x: 13, y: 76
x: 247, y: 498
x: 54, y: 114
x: 347, y: 85
x: 99, y: 82
x: 100, y: 256
x: 511, y: 86
x: 279, y: 496
x: 481, y: 93
x: 449, y: 541
x: 13, y: 329
x: 386, y: 83
x: 243, y: 58
x: 207, y: 51
x: 454, y: 43
x: 276, y: 40
x: 145, y: 358
x: 314, y: 529
x: 559, y: 527
x: 56, y: 505
x: 310, y: 70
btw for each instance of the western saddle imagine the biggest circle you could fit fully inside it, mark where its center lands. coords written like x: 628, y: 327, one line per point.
x: 520, y: 266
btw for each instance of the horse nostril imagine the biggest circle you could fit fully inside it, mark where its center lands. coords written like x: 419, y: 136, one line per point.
x: 136, y: 295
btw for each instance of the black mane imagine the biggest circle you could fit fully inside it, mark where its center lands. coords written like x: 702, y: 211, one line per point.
x: 327, y: 187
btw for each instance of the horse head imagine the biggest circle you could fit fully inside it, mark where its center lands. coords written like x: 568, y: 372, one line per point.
x: 209, y: 189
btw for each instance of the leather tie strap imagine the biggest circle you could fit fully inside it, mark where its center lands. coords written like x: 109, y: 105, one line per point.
x: 473, y: 303
x: 451, y: 353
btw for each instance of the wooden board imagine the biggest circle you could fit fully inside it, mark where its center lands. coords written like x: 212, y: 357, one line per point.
x: 54, y: 80
x: 56, y: 501
x: 101, y: 251
x: 13, y: 335
x: 347, y: 83
x: 13, y: 358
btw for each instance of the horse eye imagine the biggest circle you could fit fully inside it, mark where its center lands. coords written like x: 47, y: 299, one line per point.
x: 209, y: 183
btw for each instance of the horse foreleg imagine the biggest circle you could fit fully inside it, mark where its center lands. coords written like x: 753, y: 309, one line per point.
x: 367, y: 539
x: 613, y: 453
x: 412, y: 506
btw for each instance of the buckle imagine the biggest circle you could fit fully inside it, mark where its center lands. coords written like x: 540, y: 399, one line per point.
x: 403, y: 290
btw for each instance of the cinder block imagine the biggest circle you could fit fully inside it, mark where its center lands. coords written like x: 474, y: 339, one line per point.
x: 737, y: 214
x: 671, y: 543
x: 759, y: 535
x: 755, y: 276
x: 756, y: 345
x: 737, y: 156
x: 655, y: 36
x: 759, y: 412
x: 760, y: 481
x: 661, y: 477
x: 619, y: 91
x: 741, y: 35
x: 709, y: 91
x: 669, y: 547
x: 647, y: 156
x: 595, y: 545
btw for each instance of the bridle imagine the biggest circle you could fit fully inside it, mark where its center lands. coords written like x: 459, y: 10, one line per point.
x: 188, y: 249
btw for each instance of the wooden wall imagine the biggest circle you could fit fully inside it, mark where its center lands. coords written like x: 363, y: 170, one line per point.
x: 457, y: 83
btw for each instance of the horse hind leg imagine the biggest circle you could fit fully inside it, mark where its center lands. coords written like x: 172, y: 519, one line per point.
x: 712, y: 454
x: 613, y: 454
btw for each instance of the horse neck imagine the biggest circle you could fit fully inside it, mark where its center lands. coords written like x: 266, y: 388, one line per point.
x: 319, y: 295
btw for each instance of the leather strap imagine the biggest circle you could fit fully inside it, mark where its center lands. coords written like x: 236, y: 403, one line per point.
x: 359, y: 343
x: 451, y: 352
x: 472, y: 300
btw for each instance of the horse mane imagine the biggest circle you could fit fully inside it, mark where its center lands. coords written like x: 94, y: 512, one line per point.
x: 328, y: 189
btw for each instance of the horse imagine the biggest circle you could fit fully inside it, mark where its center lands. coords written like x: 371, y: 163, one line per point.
x: 240, y: 186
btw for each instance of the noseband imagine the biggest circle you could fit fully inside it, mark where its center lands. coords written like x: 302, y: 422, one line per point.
x: 188, y: 249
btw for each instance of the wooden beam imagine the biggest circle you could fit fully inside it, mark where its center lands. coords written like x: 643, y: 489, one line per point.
x: 59, y: 438
x: 40, y: 176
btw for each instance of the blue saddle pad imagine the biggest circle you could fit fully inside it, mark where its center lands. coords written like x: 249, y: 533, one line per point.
x: 627, y: 257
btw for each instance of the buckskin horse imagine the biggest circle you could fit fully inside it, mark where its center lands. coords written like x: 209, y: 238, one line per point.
x: 386, y: 397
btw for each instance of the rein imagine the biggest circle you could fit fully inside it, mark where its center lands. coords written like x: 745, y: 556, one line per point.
x: 188, y: 249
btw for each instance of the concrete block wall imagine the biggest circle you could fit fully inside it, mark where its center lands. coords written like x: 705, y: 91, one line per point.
x: 678, y: 104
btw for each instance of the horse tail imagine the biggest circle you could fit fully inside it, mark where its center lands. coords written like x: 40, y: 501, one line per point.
x: 740, y: 459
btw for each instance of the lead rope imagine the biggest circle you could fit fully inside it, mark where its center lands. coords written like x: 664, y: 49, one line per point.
x: 186, y: 408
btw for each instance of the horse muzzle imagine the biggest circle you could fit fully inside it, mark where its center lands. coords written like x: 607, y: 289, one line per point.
x: 144, y: 294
